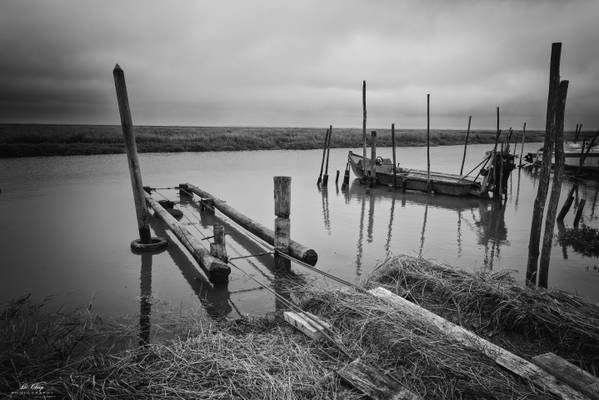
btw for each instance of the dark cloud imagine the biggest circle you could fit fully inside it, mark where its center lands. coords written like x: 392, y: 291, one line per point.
x: 295, y: 63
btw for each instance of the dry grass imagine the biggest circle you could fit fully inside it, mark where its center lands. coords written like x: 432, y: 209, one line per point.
x: 526, y: 321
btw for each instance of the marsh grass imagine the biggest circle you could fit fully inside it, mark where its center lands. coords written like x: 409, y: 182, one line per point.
x: 49, y: 140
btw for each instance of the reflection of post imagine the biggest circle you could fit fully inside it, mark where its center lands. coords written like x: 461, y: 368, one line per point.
x: 145, y: 299
x: 360, y: 239
x: 423, y: 230
x: 282, y: 225
x: 370, y: 217
x: 594, y: 200
x: 560, y: 229
x: 373, y: 160
x: 518, y: 189
x: 388, y: 243
x: 325, y: 209
x: 459, y: 233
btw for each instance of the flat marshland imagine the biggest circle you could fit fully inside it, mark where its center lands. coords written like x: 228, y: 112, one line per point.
x: 60, y: 140
x: 83, y: 356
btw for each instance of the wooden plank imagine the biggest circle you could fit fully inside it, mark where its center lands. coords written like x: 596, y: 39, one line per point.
x: 216, y: 270
x: 578, y: 378
x: 374, y: 384
x: 510, y: 361
x: 307, y: 323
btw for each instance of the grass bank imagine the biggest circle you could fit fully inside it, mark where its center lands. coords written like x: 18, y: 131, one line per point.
x: 60, y: 140
x: 265, y: 358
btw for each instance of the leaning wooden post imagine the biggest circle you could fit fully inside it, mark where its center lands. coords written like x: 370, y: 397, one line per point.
x: 522, y: 146
x: 373, y: 160
x: 282, y: 225
x: 428, y: 144
x: 465, y: 145
x: 539, y: 204
x: 218, y: 248
x: 325, y: 178
x: 364, y: 139
x: 556, y: 188
x: 141, y: 210
x: 324, y: 152
x: 394, y: 160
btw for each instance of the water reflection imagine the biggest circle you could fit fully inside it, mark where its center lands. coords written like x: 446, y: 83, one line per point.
x: 145, y: 302
x: 324, y: 191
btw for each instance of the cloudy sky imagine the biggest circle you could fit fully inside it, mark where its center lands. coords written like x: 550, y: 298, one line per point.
x: 296, y: 63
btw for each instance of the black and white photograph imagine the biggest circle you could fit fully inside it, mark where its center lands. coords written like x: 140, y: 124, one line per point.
x: 299, y: 199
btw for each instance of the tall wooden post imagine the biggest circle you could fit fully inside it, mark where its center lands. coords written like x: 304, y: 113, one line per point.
x: 218, y: 248
x: 325, y: 178
x: 465, y: 145
x: 428, y: 144
x: 373, y: 160
x: 522, y: 146
x: 324, y: 152
x: 539, y: 204
x: 556, y: 188
x: 141, y: 210
x: 394, y: 160
x: 364, y: 139
x: 282, y: 226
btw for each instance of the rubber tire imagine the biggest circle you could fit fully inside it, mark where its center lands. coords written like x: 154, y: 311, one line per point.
x: 156, y: 245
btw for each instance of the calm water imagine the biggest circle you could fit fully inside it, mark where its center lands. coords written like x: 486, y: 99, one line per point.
x: 66, y: 225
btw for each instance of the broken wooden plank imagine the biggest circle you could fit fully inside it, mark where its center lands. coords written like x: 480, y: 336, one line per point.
x: 578, y: 378
x: 510, y: 361
x: 373, y: 383
x: 308, y: 323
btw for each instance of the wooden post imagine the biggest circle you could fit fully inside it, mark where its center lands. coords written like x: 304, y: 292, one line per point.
x: 282, y: 225
x: 556, y: 188
x: 428, y: 144
x: 141, y: 210
x: 577, y: 133
x: 346, y: 176
x: 579, y: 212
x: 465, y: 145
x: 324, y: 152
x: 218, y: 248
x: 373, y: 160
x: 364, y: 138
x: 522, y: 146
x: 539, y: 204
x: 325, y: 178
x: 337, y: 178
x: 394, y: 160
x: 567, y: 203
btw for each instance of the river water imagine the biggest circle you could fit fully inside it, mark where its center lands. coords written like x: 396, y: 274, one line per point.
x: 66, y: 224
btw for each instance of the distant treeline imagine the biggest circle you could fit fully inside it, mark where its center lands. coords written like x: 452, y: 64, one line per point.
x: 19, y: 140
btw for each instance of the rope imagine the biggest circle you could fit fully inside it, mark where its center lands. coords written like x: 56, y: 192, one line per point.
x: 252, y: 255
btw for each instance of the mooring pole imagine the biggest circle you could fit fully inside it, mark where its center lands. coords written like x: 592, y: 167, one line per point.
x: 141, y: 210
x: 428, y: 144
x: 324, y: 152
x: 337, y: 178
x: 373, y: 160
x: 556, y: 188
x: 539, y: 204
x: 394, y: 160
x: 522, y: 146
x: 465, y: 145
x: 325, y: 178
x: 282, y: 226
x: 364, y: 139
x: 577, y: 133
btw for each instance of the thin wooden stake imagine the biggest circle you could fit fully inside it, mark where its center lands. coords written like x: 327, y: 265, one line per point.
x: 428, y: 144
x: 141, y: 209
x: 539, y: 204
x: 324, y: 152
x: 556, y: 188
x: 325, y: 178
x: 465, y: 145
x: 522, y: 146
x: 364, y: 139
x: 394, y: 160
x: 373, y: 160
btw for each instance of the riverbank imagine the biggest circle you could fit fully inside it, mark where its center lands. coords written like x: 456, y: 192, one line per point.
x: 84, y: 356
x: 18, y: 140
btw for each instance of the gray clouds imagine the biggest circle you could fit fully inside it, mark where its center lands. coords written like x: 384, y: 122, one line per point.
x: 292, y: 63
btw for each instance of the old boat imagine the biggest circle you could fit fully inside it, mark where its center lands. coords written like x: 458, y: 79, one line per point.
x: 574, y: 152
x: 494, y: 177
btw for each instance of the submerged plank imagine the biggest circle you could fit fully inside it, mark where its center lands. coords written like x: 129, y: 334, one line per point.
x: 373, y: 383
x: 510, y: 361
x: 578, y: 378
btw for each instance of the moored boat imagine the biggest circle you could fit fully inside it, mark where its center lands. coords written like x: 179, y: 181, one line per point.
x: 574, y: 153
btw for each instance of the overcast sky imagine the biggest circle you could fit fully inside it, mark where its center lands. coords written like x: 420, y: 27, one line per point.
x: 296, y: 63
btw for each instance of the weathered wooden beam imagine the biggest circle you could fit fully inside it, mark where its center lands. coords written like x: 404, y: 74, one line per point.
x: 394, y: 159
x: 141, y: 210
x: 428, y: 143
x: 578, y: 378
x: 364, y: 138
x: 282, y: 191
x: 373, y: 383
x: 216, y: 270
x: 309, y: 324
x: 324, y: 152
x: 510, y: 361
x: 296, y: 250
x: 373, y: 159
x: 218, y: 248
